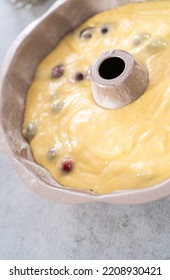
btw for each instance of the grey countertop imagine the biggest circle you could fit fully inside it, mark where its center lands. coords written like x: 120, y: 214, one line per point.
x: 33, y: 228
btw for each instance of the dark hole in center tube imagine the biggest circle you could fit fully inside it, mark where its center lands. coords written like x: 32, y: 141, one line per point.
x: 111, y: 68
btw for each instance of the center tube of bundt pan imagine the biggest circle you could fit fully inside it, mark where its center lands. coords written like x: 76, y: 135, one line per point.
x: 117, y: 79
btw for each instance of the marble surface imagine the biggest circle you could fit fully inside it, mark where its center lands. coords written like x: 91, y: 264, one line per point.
x: 33, y: 228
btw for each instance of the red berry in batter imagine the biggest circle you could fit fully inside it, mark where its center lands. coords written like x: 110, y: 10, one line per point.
x: 67, y: 165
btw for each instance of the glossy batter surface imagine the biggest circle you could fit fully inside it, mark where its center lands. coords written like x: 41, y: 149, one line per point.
x: 91, y: 148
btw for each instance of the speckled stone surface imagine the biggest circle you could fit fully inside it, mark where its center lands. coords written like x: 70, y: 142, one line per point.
x: 33, y: 228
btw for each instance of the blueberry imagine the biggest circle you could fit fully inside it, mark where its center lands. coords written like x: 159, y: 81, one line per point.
x: 57, y: 106
x: 52, y: 152
x: 86, y: 33
x: 29, y: 132
x: 104, y: 29
x: 57, y: 71
x: 140, y: 38
x: 78, y: 77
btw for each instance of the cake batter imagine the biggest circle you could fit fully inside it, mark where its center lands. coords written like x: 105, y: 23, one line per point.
x: 88, y: 147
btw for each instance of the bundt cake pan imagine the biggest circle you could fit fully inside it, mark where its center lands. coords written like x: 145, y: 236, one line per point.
x: 17, y: 73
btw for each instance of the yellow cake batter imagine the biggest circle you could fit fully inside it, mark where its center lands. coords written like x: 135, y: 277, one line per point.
x: 83, y: 145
